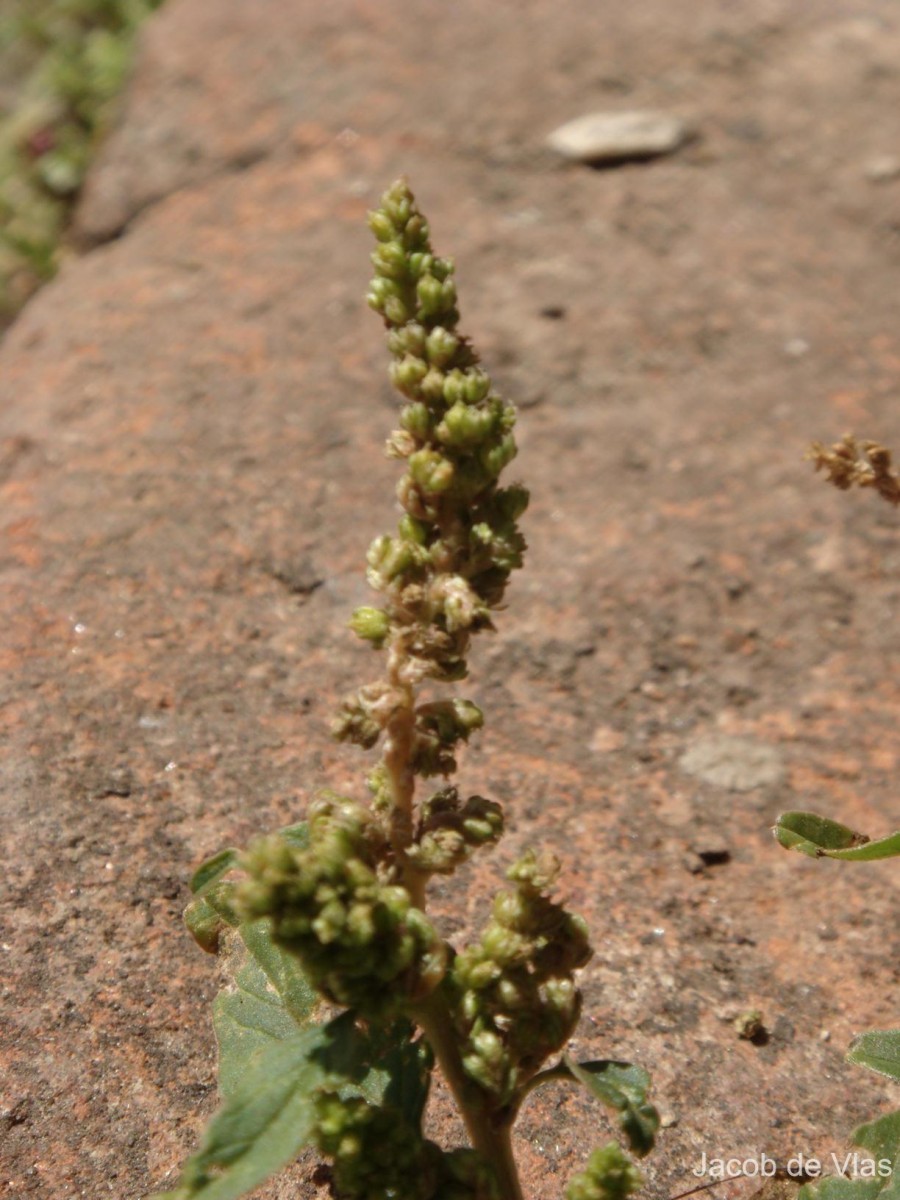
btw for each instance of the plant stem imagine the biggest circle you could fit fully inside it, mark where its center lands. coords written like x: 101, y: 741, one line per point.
x: 398, y: 752
x: 490, y: 1138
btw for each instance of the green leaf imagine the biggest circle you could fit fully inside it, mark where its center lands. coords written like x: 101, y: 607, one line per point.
x: 210, y: 914
x: 620, y: 1086
x: 879, y: 1050
x: 273, y: 1060
x: 820, y: 837
x: 270, y: 1077
x: 296, y: 835
x: 220, y: 896
x: 882, y: 1139
x: 267, y: 1118
x: 282, y: 969
x: 204, y: 924
x: 401, y: 1069
x: 841, y: 1187
x: 212, y: 870
x: 248, y: 1016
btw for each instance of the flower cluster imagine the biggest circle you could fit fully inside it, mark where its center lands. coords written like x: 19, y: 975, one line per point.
x: 450, y: 831
x: 609, y: 1176
x: 850, y: 463
x: 458, y: 540
x: 378, y: 1155
x: 345, y: 892
x: 361, y: 941
x: 516, y: 999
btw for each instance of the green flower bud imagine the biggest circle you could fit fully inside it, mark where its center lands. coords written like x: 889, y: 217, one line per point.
x: 487, y: 1064
x: 450, y: 720
x: 390, y: 260
x: 382, y: 226
x: 432, y: 386
x: 478, y: 385
x: 371, y: 624
x: 510, y: 995
x: 407, y: 374
x: 416, y: 233
x: 560, y: 995
x: 378, y: 1154
x: 494, y: 458
x: 441, y: 346
x: 380, y: 291
x: 416, y: 420
x: 379, y: 785
x: 410, y: 339
x: 509, y: 910
x: 468, y: 716
x: 420, y: 263
x: 502, y: 946
x: 475, y: 974
x: 535, y: 871
x: 482, y: 821
x: 397, y: 205
x: 412, y: 530
x: 390, y: 557
x: 454, y: 387
x: 361, y: 942
x: 430, y: 471
x: 435, y: 298
x: 395, y: 310
x: 489, y: 1047
x: 511, y: 501
x: 465, y: 426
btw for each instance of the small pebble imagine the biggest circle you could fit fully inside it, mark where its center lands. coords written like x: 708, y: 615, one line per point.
x: 737, y: 764
x: 749, y: 1025
x: 617, y: 137
x: 883, y: 169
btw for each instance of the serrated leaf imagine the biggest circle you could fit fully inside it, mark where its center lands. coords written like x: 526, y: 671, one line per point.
x: 820, y: 837
x: 622, y: 1087
x: 879, y: 1050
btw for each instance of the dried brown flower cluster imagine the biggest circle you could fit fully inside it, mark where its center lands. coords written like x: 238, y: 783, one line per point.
x: 850, y: 463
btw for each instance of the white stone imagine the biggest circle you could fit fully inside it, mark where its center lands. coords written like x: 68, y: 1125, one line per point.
x: 614, y: 137
x: 883, y: 169
x: 738, y: 764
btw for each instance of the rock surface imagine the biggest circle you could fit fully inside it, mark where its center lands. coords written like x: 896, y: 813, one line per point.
x: 191, y: 422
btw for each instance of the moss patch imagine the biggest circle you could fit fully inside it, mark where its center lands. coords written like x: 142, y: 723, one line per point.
x: 63, y: 63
